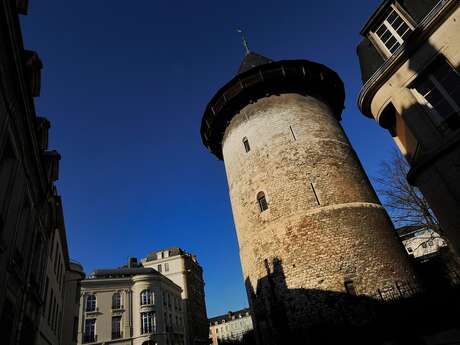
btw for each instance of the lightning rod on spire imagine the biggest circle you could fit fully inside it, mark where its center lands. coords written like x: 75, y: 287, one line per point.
x: 245, y: 42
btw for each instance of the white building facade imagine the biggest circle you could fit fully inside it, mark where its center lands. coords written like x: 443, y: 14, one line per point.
x: 230, y: 327
x: 184, y: 270
x: 133, y: 305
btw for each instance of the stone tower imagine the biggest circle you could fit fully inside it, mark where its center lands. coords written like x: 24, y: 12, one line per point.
x: 310, y: 227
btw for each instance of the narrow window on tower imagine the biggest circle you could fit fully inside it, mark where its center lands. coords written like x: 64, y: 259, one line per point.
x: 262, y: 201
x: 292, y: 132
x: 247, y: 148
x: 350, y: 288
x: 316, y: 195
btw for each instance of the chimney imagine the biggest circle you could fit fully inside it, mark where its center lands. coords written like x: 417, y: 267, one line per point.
x: 132, y: 262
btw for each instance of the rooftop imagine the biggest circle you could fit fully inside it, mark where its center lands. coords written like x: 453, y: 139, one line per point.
x: 231, y: 315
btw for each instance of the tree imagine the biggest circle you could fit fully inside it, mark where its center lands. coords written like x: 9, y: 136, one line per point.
x: 405, y: 203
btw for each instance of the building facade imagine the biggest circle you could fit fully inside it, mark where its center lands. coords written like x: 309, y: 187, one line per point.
x: 311, y: 230
x: 61, y: 294
x: 410, y: 60
x: 31, y: 219
x: 132, y: 305
x: 230, y: 327
x: 421, y: 242
x: 185, y: 271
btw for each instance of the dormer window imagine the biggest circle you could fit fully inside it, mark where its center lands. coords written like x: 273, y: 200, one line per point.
x: 392, y: 31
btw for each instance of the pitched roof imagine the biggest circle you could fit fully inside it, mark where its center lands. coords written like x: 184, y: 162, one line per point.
x: 252, y: 60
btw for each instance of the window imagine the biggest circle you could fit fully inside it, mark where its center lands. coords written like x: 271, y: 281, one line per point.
x: 424, y: 244
x: 439, y: 90
x: 166, y: 267
x: 410, y: 250
x: 262, y: 201
x: 90, y: 303
x: 392, y: 31
x: 116, y: 327
x: 350, y: 288
x: 116, y: 300
x: 146, y: 297
x: 90, y: 331
x: 430, y: 243
x: 247, y: 148
x: 159, y: 269
x: 148, y: 322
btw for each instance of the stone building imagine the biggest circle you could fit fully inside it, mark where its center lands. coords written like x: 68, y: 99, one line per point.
x: 31, y: 219
x: 130, y: 305
x: 312, y: 233
x: 61, y: 294
x: 230, y: 327
x: 410, y: 60
x: 185, y: 271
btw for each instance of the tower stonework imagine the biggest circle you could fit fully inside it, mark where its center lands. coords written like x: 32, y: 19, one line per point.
x: 311, y: 230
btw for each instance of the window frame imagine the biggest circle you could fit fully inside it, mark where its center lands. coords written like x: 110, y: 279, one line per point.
x: 146, y: 297
x: 377, y: 41
x: 148, y: 319
x: 94, y: 307
x: 262, y: 201
x: 246, y: 145
x: 119, y: 334
x: 434, y: 116
x: 119, y: 300
x: 88, y: 337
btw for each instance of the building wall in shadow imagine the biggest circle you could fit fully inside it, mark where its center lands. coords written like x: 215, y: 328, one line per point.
x: 314, y: 316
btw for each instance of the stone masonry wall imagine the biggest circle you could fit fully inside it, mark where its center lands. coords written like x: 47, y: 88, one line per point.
x: 342, y: 233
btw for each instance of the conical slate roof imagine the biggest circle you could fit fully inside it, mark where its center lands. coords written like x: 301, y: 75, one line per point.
x: 252, y: 60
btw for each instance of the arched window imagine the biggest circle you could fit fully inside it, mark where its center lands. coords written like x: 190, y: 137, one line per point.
x: 146, y: 297
x: 116, y: 300
x: 262, y: 201
x: 90, y: 303
x: 247, y: 148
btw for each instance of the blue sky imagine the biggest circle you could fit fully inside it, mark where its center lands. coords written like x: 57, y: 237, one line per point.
x: 125, y: 85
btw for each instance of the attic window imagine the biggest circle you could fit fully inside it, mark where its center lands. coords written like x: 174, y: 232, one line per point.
x: 392, y: 31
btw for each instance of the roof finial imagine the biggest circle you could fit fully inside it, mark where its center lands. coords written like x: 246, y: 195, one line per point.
x: 245, y: 42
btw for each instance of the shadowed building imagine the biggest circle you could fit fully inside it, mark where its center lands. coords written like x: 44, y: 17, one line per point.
x: 299, y: 195
x: 35, y: 270
x: 410, y: 60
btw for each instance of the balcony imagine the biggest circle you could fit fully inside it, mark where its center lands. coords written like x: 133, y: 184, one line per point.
x: 89, y: 338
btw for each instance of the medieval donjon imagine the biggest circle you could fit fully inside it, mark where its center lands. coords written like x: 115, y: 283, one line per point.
x: 310, y: 227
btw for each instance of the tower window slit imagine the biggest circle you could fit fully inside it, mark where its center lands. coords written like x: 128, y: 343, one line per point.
x: 292, y: 132
x: 350, y: 288
x: 247, y: 147
x: 316, y: 195
x: 262, y: 201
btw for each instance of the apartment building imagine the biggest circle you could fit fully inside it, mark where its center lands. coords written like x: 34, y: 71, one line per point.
x: 34, y: 260
x: 184, y: 270
x: 130, y: 305
x: 230, y: 327
x: 410, y: 67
